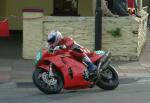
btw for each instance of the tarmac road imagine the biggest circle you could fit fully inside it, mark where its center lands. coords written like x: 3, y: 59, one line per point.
x: 135, y: 92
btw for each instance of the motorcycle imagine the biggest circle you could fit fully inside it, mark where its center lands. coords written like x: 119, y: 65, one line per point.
x: 59, y: 70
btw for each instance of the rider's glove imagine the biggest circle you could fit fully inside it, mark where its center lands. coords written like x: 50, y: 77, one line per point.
x: 62, y: 47
x: 59, y: 47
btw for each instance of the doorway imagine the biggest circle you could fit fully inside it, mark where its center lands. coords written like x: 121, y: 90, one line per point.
x: 11, y: 47
x: 65, y: 8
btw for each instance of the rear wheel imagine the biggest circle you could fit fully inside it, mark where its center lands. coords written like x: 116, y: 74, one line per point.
x: 47, y: 85
x: 109, y: 79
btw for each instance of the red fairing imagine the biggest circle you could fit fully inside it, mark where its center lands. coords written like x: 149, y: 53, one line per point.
x: 71, y: 69
x: 77, y: 80
x: 53, y: 58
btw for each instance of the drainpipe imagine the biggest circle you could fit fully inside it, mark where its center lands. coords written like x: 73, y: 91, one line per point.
x: 98, y: 26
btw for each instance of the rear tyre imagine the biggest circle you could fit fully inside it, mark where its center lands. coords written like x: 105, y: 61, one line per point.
x: 109, y: 79
x: 44, y: 87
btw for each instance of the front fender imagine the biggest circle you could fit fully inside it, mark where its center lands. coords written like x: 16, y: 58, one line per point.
x: 43, y: 66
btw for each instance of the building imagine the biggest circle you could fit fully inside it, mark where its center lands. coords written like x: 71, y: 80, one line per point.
x: 12, y: 8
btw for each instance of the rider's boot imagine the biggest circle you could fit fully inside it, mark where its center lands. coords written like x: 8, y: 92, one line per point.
x: 92, y: 68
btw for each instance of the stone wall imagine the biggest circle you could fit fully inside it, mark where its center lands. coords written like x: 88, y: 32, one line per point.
x: 32, y: 33
x: 126, y: 47
x: 142, y: 31
x: 79, y: 28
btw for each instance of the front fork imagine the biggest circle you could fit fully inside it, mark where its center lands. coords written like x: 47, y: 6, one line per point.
x: 50, y: 72
x: 49, y: 76
x: 102, y: 67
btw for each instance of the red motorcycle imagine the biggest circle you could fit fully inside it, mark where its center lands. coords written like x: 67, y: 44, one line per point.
x: 60, y: 70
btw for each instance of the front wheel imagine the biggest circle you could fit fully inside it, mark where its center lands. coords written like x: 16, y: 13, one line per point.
x: 46, y: 85
x: 109, y: 79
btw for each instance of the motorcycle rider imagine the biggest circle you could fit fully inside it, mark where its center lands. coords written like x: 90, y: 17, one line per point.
x: 57, y: 42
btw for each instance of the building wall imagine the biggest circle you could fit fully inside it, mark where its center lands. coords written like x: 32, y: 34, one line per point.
x: 14, y: 7
x: 85, y: 7
x: 2, y: 8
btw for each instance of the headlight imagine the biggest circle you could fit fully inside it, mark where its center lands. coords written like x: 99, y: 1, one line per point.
x: 100, y: 52
x: 38, y: 57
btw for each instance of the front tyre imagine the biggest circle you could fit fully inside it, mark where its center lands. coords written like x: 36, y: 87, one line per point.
x: 109, y: 79
x: 45, y: 87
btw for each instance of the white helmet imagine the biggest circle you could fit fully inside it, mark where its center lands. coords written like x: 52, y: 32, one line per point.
x: 54, y: 37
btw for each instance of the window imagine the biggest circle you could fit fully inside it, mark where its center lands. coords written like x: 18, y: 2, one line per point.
x: 65, y: 8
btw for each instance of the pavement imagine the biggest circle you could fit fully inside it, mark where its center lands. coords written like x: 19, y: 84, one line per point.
x: 18, y: 70
x: 137, y: 69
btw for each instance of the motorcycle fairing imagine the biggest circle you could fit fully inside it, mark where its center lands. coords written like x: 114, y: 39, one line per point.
x: 77, y: 69
x: 64, y: 65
